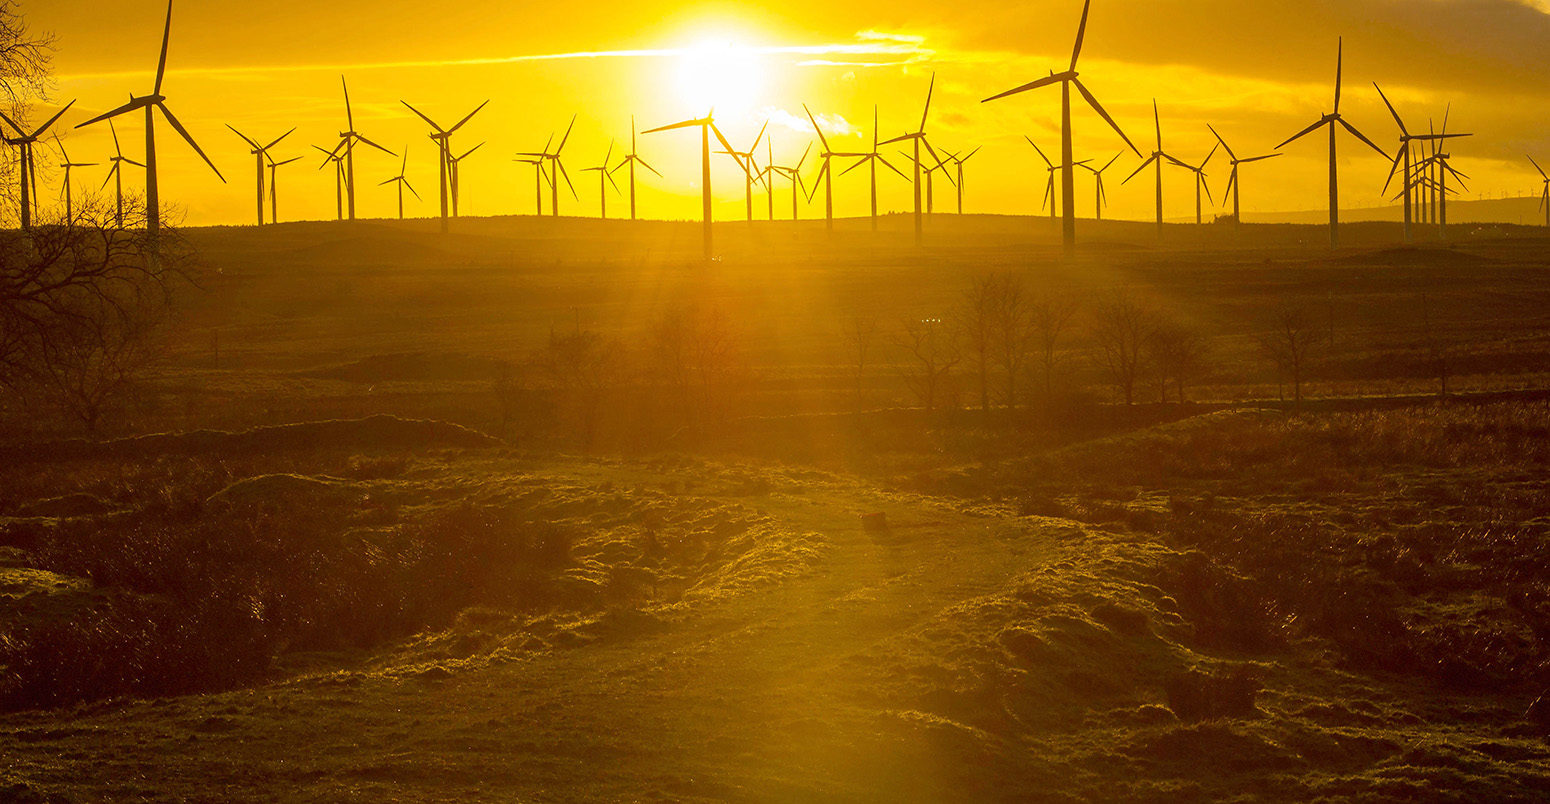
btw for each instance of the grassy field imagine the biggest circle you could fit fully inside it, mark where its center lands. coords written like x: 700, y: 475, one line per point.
x: 351, y: 592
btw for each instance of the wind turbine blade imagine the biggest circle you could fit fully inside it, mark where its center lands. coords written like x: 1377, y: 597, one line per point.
x: 1402, y: 130
x: 722, y: 139
x: 349, y: 115
x: 814, y: 120
x: 1339, y: 69
x: 900, y: 138
x: 1149, y: 160
x: 1110, y: 163
x: 469, y: 151
x: 138, y: 103
x: 804, y: 155
x: 1232, y: 179
x: 1398, y: 158
x: 566, y: 138
x: 1305, y: 132
x: 1049, y: 192
x: 245, y: 138
x: 277, y: 139
x: 927, y: 113
x: 411, y: 189
x: 1208, y: 158
x: 51, y: 120
x: 390, y: 181
x: 1081, y: 33
x: 1359, y: 135
x: 286, y: 162
x: 564, y: 174
x: 892, y: 168
x: 648, y: 167
x: 760, y: 138
x: 111, y: 172
x: 1205, y: 185
x: 1042, y: 82
x: 177, y: 126
x: 1040, y: 150
x: 117, y: 151
x: 1230, y: 154
x: 166, y: 34
x: 422, y: 116
x: 374, y: 145
x: 468, y: 117
x: 856, y: 164
x: 684, y: 124
x: 611, y: 180
x: 1538, y: 168
x: 1097, y: 107
x: 1258, y: 158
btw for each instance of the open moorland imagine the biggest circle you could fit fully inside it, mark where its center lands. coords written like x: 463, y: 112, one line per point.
x: 555, y: 511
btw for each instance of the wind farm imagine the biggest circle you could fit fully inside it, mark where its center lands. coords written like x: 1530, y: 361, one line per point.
x: 925, y: 482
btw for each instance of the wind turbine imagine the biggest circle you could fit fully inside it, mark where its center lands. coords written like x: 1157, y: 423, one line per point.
x: 28, y: 170
x: 1102, y: 198
x: 1052, y: 169
x: 1330, y: 120
x: 1233, y: 184
x: 1200, y: 184
x: 1158, y: 157
x: 261, y: 153
x: 556, y: 168
x: 871, y: 160
x: 340, y: 180
x: 958, y: 163
x: 919, y: 138
x: 1404, y: 156
x: 402, y: 181
x: 632, y: 159
x: 707, y: 125
x: 745, y: 161
x: 274, y: 187
x: 443, y: 138
x: 1066, y: 80
x: 150, y: 103
x: 539, y: 176
x: 116, y: 175
x: 454, y: 171
x: 794, y: 173
x: 825, y: 173
x: 604, y: 178
x: 1438, y: 163
x: 67, y: 165
x: 1544, y: 200
x: 349, y: 138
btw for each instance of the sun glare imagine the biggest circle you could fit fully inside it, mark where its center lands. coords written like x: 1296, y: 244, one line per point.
x: 720, y: 73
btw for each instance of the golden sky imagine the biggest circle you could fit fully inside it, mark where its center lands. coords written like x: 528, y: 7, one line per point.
x: 1258, y: 70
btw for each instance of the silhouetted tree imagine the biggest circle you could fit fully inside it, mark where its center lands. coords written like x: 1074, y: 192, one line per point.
x: 1290, y: 344
x: 580, y: 369
x: 1177, y: 355
x: 933, y: 352
x: 1122, y: 331
x: 859, y: 334
x: 1049, y: 320
x: 83, y: 308
x: 696, y: 354
x: 25, y: 58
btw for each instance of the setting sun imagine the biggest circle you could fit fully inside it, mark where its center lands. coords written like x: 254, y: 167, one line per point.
x: 721, y: 73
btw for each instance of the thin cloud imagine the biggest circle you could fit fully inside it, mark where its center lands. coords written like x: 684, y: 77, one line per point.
x: 868, y: 44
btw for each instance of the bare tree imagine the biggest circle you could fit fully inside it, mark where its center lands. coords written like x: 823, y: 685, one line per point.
x: 581, y: 369
x: 1178, y: 356
x: 977, y: 324
x: 934, y: 352
x: 1290, y: 344
x: 697, y: 355
x: 1122, y: 331
x: 83, y: 308
x: 1049, y: 319
x: 859, y: 333
x: 25, y: 59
